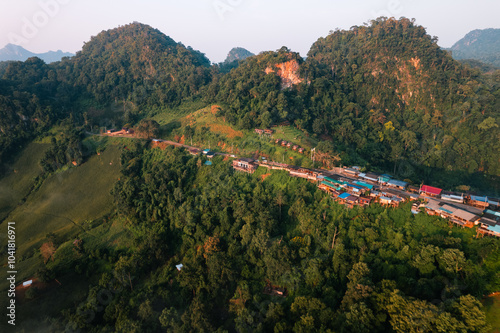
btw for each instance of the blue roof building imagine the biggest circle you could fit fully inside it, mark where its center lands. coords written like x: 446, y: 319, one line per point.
x: 478, y: 198
x: 333, y: 181
x: 344, y: 196
x: 489, y: 211
x: 368, y: 186
x: 494, y: 203
x: 495, y: 228
x: 355, y: 188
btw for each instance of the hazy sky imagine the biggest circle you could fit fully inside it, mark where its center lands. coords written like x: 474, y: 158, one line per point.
x: 215, y: 26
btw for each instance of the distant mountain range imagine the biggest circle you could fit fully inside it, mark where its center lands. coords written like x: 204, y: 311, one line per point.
x: 13, y: 52
x: 482, y: 45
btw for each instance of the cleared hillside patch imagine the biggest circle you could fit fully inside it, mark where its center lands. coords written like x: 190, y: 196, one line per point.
x: 19, y: 177
x: 67, y: 199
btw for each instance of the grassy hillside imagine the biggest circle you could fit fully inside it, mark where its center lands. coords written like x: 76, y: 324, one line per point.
x: 19, y: 177
x: 65, y: 204
x: 68, y: 198
x: 206, y: 128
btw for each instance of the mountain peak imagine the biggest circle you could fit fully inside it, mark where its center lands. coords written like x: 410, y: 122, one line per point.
x: 238, y: 53
x: 13, y: 46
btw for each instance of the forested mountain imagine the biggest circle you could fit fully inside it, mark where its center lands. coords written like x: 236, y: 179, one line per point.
x: 252, y: 92
x: 482, y: 45
x: 391, y: 92
x: 31, y: 100
x: 237, y: 54
x: 3, y: 67
x: 13, y: 52
x: 133, y: 63
x: 136, y: 63
x: 384, y: 91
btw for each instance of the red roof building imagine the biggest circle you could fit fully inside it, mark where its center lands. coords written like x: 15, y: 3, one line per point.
x: 429, y: 190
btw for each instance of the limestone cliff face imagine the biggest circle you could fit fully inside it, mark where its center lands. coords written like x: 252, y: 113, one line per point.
x: 288, y: 72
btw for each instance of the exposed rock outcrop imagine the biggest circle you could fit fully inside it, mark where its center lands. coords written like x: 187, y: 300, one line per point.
x: 288, y: 72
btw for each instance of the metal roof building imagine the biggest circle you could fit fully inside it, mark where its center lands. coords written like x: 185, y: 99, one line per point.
x: 344, y: 196
x: 397, y: 183
x: 368, y: 186
x: 430, y: 190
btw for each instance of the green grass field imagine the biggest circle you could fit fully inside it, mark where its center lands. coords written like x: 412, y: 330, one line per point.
x: 65, y: 202
x: 67, y: 199
x: 166, y: 116
x: 19, y: 177
x: 227, y: 138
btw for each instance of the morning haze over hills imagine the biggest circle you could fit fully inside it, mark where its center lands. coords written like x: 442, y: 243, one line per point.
x: 481, y: 45
x: 13, y: 52
x: 103, y: 171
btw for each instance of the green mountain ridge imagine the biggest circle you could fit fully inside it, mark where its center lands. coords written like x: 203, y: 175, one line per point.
x: 385, y: 92
x: 382, y: 94
x: 482, y: 45
x: 392, y: 74
x: 137, y: 63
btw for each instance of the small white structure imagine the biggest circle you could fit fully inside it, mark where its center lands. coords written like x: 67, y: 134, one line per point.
x: 27, y: 283
x: 179, y: 267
